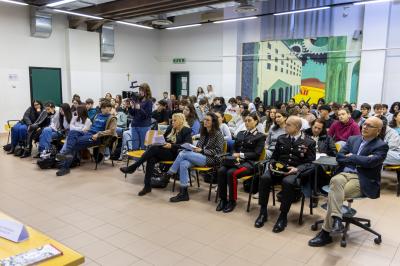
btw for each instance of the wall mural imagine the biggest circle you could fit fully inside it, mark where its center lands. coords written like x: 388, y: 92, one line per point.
x: 305, y: 69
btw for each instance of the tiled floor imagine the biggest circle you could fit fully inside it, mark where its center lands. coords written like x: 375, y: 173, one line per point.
x: 99, y: 214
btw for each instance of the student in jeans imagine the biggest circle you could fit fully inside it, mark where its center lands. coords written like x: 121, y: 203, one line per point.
x: 36, y: 128
x: 79, y: 122
x: 104, y: 124
x: 20, y: 130
x: 211, y: 143
x: 191, y: 118
x: 58, y: 128
x: 175, y: 135
x: 141, y: 116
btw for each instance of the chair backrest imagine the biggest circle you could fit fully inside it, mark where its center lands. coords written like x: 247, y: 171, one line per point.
x: 262, y: 155
x: 227, y: 117
x: 151, y: 135
x: 338, y: 146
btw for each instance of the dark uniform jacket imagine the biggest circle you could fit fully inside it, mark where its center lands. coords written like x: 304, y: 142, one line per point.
x: 251, y: 144
x: 300, y: 154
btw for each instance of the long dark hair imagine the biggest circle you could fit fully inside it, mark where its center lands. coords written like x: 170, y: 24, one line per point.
x: 192, y: 114
x: 37, y: 101
x: 146, y: 89
x: 392, y: 107
x: 214, y: 125
x: 82, y: 113
x: 282, y: 113
x: 321, y: 121
x: 393, y: 123
x: 66, y: 113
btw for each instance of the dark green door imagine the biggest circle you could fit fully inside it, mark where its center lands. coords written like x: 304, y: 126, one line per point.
x: 180, y: 83
x: 46, y: 84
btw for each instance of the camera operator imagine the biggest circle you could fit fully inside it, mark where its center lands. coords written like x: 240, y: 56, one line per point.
x: 141, y: 116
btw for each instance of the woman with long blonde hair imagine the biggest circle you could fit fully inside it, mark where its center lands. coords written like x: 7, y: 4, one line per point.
x: 176, y: 134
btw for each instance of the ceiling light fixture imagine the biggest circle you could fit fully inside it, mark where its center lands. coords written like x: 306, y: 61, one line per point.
x: 77, y: 14
x: 302, y: 11
x: 233, y: 20
x: 184, y: 26
x: 59, y: 3
x: 14, y: 2
x: 370, y: 2
x: 134, y: 25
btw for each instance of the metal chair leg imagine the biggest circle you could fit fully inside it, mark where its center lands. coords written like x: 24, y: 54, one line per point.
x: 273, y: 195
x: 398, y: 182
x: 301, y: 209
x: 127, y: 164
x: 198, y: 179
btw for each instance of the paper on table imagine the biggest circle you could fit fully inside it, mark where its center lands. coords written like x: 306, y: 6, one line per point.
x: 159, y: 140
x: 13, y: 231
x: 33, y: 256
x: 188, y: 146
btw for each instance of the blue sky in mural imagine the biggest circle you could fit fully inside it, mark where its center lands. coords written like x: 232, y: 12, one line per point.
x: 314, y: 70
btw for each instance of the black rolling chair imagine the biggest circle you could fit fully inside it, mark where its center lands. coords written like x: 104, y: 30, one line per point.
x: 348, y: 217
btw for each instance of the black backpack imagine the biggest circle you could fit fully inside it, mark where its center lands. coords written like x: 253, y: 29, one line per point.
x: 47, y: 159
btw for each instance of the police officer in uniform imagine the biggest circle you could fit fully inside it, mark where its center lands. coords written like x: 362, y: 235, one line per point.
x: 296, y: 152
x: 248, y: 147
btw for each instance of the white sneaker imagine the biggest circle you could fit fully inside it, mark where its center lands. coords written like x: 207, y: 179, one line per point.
x: 255, y: 196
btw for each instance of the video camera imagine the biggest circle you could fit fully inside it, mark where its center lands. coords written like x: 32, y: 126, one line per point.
x: 132, y: 94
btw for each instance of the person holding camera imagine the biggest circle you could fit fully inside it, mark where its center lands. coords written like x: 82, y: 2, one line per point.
x: 248, y: 147
x: 141, y: 110
x: 291, y: 165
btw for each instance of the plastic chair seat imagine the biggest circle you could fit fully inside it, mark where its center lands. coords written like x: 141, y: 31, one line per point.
x: 201, y: 168
x: 391, y: 167
x: 244, y: 178
x: 166, y: 162
x: 135, y: 154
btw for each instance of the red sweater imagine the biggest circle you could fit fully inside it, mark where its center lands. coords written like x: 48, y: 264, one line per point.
x: 341, y: 132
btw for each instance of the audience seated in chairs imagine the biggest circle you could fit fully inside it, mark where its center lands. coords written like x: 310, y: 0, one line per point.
x: 36, y: 128
x: 359, y: 174
x: 223, y: 127
x: 391, y: 137
x: 58, y: 128
x: 19, y: 131
x: 104, y: 124
x: 191, y: 118
x: 248, y: 147
x: 277, y: 129
x: 161, y: 114
x: 176, y: 134
x: 210, y: 144
x: 295, y: 152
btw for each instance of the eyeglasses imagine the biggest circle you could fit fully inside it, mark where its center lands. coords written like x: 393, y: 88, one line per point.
x: 368, y: 126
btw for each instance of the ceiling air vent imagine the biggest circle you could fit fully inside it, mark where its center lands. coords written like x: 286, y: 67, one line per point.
x: 41, y: 23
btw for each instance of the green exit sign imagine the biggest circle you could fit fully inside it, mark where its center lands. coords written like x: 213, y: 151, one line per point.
x: 179, y: 60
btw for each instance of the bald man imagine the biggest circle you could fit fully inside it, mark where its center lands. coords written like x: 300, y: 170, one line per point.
x: 360, y: 163
x: 297, y: 152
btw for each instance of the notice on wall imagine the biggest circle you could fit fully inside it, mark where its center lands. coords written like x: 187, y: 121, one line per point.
x: 12, y: 77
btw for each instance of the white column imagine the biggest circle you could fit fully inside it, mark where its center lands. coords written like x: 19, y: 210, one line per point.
x: 230, y: 49
x: 375, y: 34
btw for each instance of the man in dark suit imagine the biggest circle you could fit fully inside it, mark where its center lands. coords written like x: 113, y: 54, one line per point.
x: 296, y: 151
x: 360, y: 163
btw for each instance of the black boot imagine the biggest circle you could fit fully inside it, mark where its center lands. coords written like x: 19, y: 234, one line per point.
x: 262, y: 217
x: 183, y: 195
x: 18, y: 152
x: 129, y: 169
x: 27, y: 153
x: 230, y: 206
x: 11, y: 151
x: 144, y: 191
x: 221, y: 205
x: 281, y: 223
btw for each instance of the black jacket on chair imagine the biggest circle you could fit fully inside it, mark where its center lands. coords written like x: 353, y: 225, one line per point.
x: 250, y: 144
x: 300, y: 154
x: 325, y: 143
x: 184, y: 136
x: 30, y: 116
x: 368, y: 163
